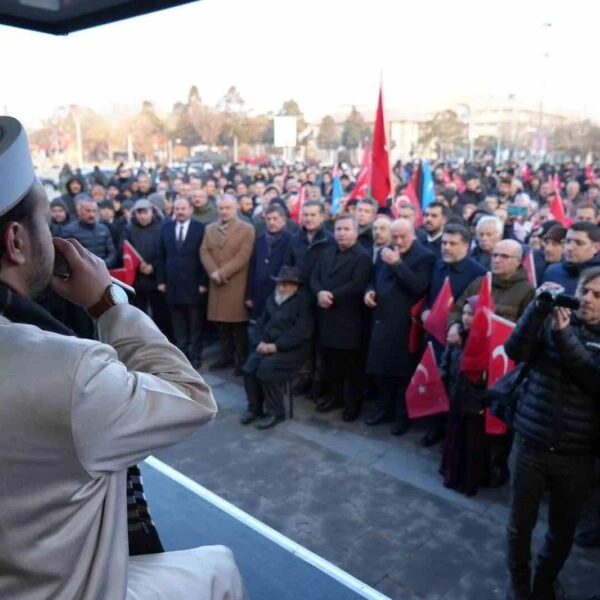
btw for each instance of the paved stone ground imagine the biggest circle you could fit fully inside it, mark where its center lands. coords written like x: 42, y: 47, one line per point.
x: 370, y: 503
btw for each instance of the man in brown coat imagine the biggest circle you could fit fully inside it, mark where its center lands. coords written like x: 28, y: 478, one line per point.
x: 225, y: 254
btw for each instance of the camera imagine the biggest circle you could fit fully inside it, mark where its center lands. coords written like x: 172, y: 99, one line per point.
x: 550, y: 298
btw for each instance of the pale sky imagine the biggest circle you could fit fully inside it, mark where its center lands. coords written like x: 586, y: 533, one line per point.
x: 326, y: 54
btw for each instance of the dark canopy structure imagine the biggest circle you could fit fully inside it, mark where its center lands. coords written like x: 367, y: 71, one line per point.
x: 61, y: 17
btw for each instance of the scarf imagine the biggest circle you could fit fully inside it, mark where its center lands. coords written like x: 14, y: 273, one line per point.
x: 273, y: 238
x: 143, y: 537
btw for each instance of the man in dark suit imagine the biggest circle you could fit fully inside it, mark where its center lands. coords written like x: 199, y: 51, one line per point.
x: 183, y: 278
x: 461, y: 269
x: 281, y: 343
x: 268, y: 256
x: 434, y: 220
x: 339, y: 282
x: 401, y: 278
x: 366, y: 212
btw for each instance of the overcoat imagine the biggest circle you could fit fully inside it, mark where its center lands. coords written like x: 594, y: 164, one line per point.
x: 397, y: 287
x: 345, y: 274
x: 228, y: 251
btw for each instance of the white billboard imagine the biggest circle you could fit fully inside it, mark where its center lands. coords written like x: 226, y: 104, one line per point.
x: 286, y: 135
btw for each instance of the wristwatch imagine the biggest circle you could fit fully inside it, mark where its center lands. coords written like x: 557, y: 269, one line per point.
x: 113, y: 295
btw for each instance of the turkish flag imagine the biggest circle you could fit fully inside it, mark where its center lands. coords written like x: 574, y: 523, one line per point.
x: 499, y: 365
x: 363, y: 181
x: 474, y: 360
x: 381, y: 187
x: 131, y: 262
x: 460, y: 184
x: 425, y: 394
x: 436, y: 323
x: 416, y: 334
x: 529, y: 266
x: 296, y: 211
x: 590, y: 176
x: 556, y: 206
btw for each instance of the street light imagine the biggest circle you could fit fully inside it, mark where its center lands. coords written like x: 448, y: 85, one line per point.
x: 469, y: 121
x: 63, y: 113
x: 544, y: 74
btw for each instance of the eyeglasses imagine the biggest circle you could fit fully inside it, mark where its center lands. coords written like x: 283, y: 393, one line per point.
x: 504, y: 256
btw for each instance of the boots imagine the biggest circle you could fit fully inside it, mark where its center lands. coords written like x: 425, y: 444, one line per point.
x: 520, y: 585
x: 545, y: 589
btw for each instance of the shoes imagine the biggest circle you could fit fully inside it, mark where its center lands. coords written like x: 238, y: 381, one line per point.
x: 400, y: 427
x: 270, y: 421
x: 248, y: 417
x: 520, y: 584
x: 302, y: 387
x: 222, y: 363
x: 327, y: 405
x: 499, y: 476
x: 542, y: 590
x: 376, y: 418
x: 588, y: 539
x: 350, y: 414
x: 432, y: 437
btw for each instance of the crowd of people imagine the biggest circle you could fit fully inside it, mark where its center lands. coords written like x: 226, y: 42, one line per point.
x: 301, y: 285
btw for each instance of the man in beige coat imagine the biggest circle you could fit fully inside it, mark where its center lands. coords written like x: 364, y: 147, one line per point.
x: 225, y: 252
x: 76, y: 413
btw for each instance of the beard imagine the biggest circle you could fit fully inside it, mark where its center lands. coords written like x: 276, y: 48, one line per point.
x: 40, y: 276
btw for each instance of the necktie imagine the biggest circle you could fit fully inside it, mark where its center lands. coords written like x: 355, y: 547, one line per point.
x: 180, y: 238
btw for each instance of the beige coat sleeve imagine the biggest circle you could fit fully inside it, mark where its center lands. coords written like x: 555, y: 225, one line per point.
x: 242, y: 258
x: 205, y: 256
x: 133, y: 398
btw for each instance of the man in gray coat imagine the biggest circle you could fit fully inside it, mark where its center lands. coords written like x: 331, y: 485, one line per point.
x: 76, y: 413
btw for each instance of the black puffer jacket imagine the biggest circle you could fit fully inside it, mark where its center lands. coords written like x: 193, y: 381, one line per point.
x: 96, y: 238
x: 558, y: 406
x: 146, y: 240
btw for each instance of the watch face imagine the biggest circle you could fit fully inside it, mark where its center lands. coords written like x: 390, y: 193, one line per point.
x: 118, y: 294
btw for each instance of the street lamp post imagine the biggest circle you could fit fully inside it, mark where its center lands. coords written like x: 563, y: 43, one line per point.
x: 469, y: 121
x: 544, y: 75
x: 77, y: 121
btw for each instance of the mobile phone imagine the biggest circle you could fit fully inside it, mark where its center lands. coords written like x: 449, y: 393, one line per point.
x: 62, y: 270
x: 517, y: 211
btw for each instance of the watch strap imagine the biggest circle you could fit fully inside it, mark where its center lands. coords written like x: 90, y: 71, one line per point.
x: 97, y: 310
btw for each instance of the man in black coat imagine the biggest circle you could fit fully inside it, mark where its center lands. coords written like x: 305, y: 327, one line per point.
x: 281, y: 343
x: 304, y: 252
x: 143, y: 233
x: 339, y: 283
x: 183, y: 279
x: 307, y: 246
x: 268, y: 256
x: 557, y: 427
x: 434, y: 221
x: 402, y: 277
x: 97, y: 239
x: 366, y: 213
x: 461, y: 269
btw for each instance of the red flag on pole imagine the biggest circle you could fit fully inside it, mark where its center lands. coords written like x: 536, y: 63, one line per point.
x: 556, y: 206
x: 363, y: 181
x: 499, y: 365
x: 425, y: 394
x: 381, y: 187
x: 296, y: 211
x: 529, y: 266
x: 460, y: 184
x: 131, y: 262
x: 412, y: 193
x: 475, y: 360
x: 436, y: 323
x: 416, y: 334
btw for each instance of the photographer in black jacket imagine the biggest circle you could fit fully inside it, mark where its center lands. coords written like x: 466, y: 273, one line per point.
x: 557, y: 427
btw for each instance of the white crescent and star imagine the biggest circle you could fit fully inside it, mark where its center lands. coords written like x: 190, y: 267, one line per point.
x: 499, y: 351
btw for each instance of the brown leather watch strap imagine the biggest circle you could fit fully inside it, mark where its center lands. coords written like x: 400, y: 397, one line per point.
x: 97, y: 310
